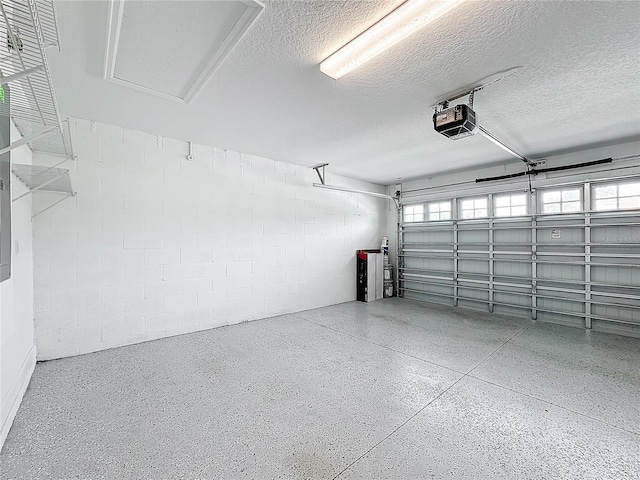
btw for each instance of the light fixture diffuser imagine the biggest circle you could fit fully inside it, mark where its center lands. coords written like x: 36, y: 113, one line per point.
x: 408, y: 18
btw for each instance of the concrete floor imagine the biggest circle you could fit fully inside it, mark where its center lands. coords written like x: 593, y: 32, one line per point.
x: 392, y: 389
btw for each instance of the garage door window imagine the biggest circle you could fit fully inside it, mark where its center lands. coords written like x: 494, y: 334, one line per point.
x: 440, y: 211
x: 561, y: 201
x: 510, y: 205
x: 617, y: 196
x: 414, y: 213
x: 473, y: 208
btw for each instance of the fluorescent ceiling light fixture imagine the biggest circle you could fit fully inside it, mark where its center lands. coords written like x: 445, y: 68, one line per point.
x: 408, y: 18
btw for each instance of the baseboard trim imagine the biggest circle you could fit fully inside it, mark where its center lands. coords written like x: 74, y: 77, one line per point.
x: 16, y: 393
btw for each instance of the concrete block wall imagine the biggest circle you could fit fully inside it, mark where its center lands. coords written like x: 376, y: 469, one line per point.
x: 157, y: 245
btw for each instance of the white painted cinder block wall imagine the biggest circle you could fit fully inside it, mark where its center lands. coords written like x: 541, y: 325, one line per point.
x: 17, y: 350
x: 156, y: 245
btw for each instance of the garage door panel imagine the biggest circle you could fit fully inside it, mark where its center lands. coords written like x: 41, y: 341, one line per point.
x: 602, y: 233
x: 616, y: 328
x: 562, y: 306
x: 512, y: 269
x: 480, y: 265
x: 443, y: 264
x: 571, y: 267
x: 473, y: 236
x: 512, y: 235
x: 442, y: 300
x: 513, y: 311
x: 626, y: 315
x: 568, y: 320
x: 437, y: 293
x: 429, y: 237
x: 611, y: 275
x: 514, y: 298
x: 549, y: 271
x: 464, y: 292
x: 615, y: 251
x: 504, y: 250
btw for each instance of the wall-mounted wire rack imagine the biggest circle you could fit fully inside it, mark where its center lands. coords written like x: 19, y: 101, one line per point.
x: 48, y: 179
x: 27, y: 29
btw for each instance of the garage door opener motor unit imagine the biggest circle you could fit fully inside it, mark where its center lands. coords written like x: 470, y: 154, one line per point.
x: 456, y: 122
x: 460, y: 121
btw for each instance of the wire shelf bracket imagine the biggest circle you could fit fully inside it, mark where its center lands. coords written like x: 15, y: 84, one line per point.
x: 26, y: 140
x: 44, y: 179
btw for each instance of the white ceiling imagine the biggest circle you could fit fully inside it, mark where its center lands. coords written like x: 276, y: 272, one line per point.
x: 580, y: 87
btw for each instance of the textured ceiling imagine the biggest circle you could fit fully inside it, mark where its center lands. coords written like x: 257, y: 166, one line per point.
x: 580, y: 86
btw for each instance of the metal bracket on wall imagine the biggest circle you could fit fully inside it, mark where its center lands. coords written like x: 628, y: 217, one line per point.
x: 38, y: 178
x: 72, y: 194
x: 317, y: 168
x: 25, y: 140
x: 349, y: 190
x: 22, y: 74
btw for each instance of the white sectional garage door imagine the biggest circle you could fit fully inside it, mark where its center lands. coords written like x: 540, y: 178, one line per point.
x: 566, y: 253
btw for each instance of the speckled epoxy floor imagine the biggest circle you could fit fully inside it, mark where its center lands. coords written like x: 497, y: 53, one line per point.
x: 392, y: 389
